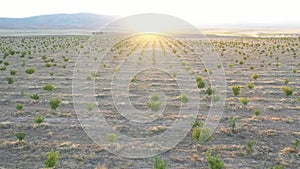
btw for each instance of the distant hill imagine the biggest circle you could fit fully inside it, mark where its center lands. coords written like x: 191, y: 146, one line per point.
x: 58, y: 21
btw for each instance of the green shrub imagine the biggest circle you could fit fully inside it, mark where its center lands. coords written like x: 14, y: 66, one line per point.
x: 250, y: 85
x: 20, y: 136
x: 154, y: 104
x: 256, y: 112
x: 254, y: 76
x: 159, y: 163
x: 200, y: 82
x: 90, y: 106
x: 2, y: 68
x: 30, y: 70
x: 250, y: 145
x: 243, y: 100
x: 209, y: 91
x: 286, y: 81
x: 197, y: 123
x: 287, y: 90
x: 236, y: 90
x: 52, y: 159
x: 213, y: 161
x: 296, y: 144
x: 19, y: 106
x: 13, y: 72
x: 35, y: 96
x: 48, y: 87
x: 230, y: 65
x: 48, y: 65
x: 10, y: 80
x: 66, y: 59
x: 88, y: 78
x: 184, y: 98
x: 133, y: 80
x: 38, y: 119
x: 112, y: 137
x: 201, y: 134
x: 277, y: 167
x: 232, y: 123
x: 54, y: 103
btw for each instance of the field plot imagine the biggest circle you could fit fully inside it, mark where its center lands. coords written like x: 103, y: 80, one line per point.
x: 260, y: 126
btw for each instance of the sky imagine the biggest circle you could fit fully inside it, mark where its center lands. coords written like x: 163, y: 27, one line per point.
x: 197, y: 12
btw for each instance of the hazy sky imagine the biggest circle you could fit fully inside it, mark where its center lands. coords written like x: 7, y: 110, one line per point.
x: 195, y: 11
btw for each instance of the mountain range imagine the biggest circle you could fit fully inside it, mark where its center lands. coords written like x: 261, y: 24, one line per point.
x: 58, y: 21
x: 89, y: 21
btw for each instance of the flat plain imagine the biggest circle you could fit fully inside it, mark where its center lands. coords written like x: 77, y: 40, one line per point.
x: 259, y: 127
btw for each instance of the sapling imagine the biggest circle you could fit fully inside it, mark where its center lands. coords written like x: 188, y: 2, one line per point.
x: 20, y: 136
x: 159, y: 163
x: 287, y: 90
x: 236, y: 90
x: 52, y: 159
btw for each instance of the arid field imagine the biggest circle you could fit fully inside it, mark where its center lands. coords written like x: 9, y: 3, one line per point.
x: 259, y: 128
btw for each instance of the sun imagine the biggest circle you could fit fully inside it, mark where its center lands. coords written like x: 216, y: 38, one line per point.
x: 153, y: 23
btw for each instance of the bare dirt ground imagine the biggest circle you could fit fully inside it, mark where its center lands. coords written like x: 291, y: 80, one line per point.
x: 276, y: 62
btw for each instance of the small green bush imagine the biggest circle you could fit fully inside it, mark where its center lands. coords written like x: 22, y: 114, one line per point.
x: 2, y: 68
x: 90, y: 106
x: 52, y: 159
x: 133, y: 80
x: 48, y: 65
x: 250, y: 145
x: 19, y: 106
x: 200, y: 82
x: 10, y: 80
x: 112, y: 137
x: 88, y: 78
x: 287, y: 90
x: 256, y: 112
x: 209, y: 91
x: 159, y: 163
x: 213, y: 161
x: 20, y: 136
x: 154, y: 104
x: 254, y: 76
x: 296, y: 144
x: 13, y: 72
x: 232, y: 123
x: 230, y: 65
x: 277, y: 167
x: 54, y: 103
x: 286, y: 81
x: 184, y: 98
x: 236, y: 90
x: 35, y: 96
x: 201, y: 134
x: 197, y: 123
x: 250, y: 85
x: 48, y: 87
x: 30, y: 70
x: 243, y: 100
x: 38, y: 119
